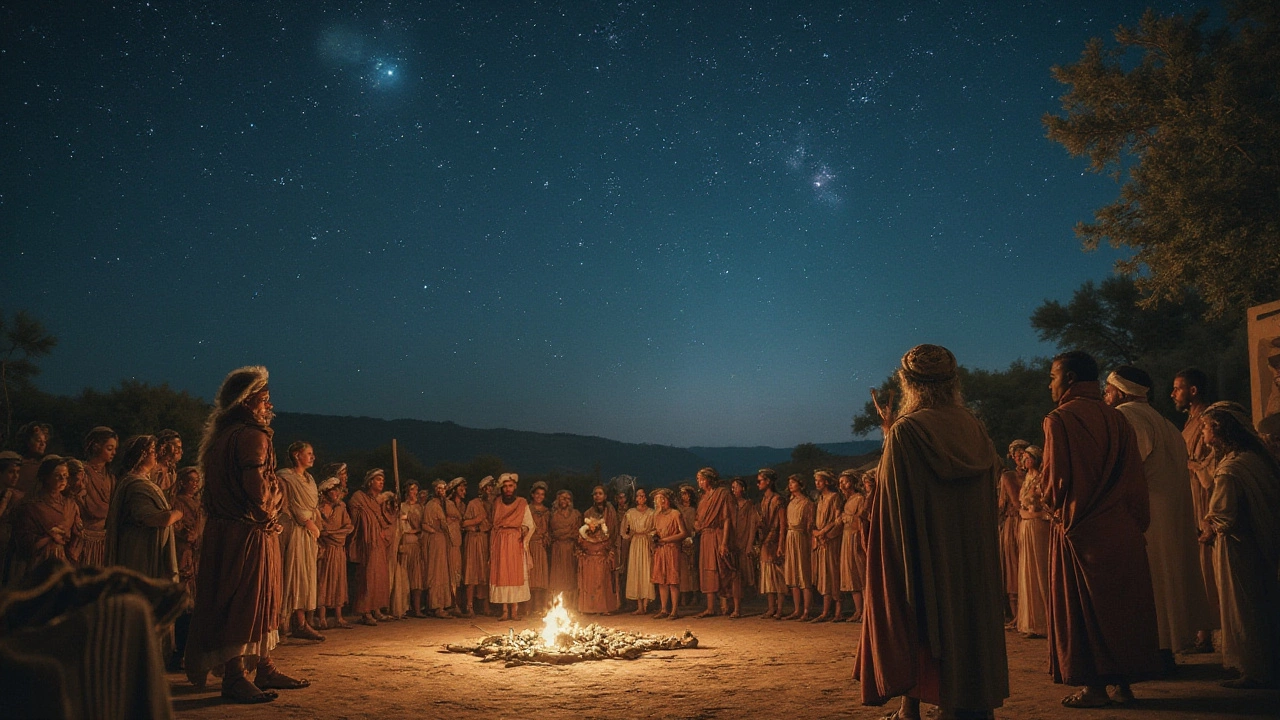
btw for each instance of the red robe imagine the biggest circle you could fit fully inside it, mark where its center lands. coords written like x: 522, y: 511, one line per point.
x: 239, y: 588
x: 367, y: 548
x: 715, y: 519
x: 1102, y: 613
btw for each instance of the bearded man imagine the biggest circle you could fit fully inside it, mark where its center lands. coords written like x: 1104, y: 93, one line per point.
x: 1191, y: 395
x: 509, y: 548
x: 932, y: 628
x: 1102, y: 613
x: 238, y: 591
x: 1181, y: 606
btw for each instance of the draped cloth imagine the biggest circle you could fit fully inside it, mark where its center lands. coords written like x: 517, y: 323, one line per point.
x: 411, y: 554
x: 453, y: 520
x: 539, y: 545
x: 95, y: 501
x: 1102, y: 616
x: 331, y: 569
x: 34, y: 520
x: 714, y: 521
x: 773, y: 529
x: 188, y: 534
x: 853, y: 553
x: 689, y: 580
x: 1202, y: 464
x: 368, y: 548
x: 509, y: 559
x: 237, y: 606
x: 83, y: 644
x: 298, y: 548
x: 1033, y: 557
x: 1182, y: 608
x: 564, y: 526
x: 597, y: 582
x: 637, y: 530
x: 435, y: 541
x: 475, y: 547
x: 932, y: 621
x: 826, y: 547
x: 666, y: 558
x: 797, y: 561
x: 1010, y: 485
x: 742, y: 543
x: 132, y: 543
x: 1244, y: 513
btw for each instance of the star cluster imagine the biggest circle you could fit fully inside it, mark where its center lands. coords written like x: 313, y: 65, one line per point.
x: 686, y: 224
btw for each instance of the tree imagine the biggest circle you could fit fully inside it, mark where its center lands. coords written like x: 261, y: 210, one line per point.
x: 1189, y: 119
x: 1011, y: 403
x: 1108, y: 321
x: 22, y: 340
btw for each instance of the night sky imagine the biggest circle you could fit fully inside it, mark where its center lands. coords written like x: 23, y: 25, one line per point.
x: 678, y: 223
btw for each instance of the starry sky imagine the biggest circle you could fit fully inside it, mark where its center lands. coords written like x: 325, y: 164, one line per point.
x: 684, y: 223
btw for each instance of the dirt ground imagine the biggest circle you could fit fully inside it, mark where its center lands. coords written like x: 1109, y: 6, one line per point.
x: 745, y: 667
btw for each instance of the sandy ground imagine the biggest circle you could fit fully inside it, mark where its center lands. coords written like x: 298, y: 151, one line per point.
x: 746, y: 667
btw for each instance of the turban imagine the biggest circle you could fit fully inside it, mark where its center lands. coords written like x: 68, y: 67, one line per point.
x: 929, y: 364
x: 565, y: 492
x: 850, y: 473
x: 540, y: 485
x: 1130, y: 380
x: 374, y: 472
x: 328, y: 484
x: 9, y: 457
x: 486, y: 481
x: 1018, y: 444
x: 504, y: 477
x: 671, y: 497
x: 454, y: 483
x: 769, y: 473
x: 240, y: 384
x: 830, y: 476
x: 437, y: 483
x: 1035, y: 451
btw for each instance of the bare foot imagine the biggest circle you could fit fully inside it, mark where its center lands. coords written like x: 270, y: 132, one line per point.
x: 673, y: 616
x: 704, y: 614
x: 821, y: 618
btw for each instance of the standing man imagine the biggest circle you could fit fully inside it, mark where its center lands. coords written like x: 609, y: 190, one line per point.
x: 1010, y: 519
x: 32, y: 440
x: 237, y: 608
x: 509, y: 548
x: 476, y: 523
x: 827, y: 531
x: 1102, y: 615
x: 714, y: 525
x: 373, y: 521
x: 1191, y: 396
x: 932, y: 628
x: 773, y: 530
x: 1181, y: 606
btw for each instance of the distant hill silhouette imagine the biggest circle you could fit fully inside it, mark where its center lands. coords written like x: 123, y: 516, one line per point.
x: 747, y: 460
x: 532, y: 452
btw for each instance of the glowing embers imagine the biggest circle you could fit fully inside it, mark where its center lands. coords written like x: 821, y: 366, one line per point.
x: 562, y: 642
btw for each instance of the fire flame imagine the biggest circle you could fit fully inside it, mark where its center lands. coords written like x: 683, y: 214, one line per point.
x: 556, y: 621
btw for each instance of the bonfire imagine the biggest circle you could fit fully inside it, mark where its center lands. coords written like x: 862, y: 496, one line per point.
x: 562, y: 641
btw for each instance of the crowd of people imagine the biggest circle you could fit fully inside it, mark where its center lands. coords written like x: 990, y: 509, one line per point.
x: 1121, y: 540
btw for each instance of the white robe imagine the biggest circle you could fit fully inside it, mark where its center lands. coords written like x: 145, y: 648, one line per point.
x: 1182, y: 607
x: 637, y: 526
x: 298, y: 548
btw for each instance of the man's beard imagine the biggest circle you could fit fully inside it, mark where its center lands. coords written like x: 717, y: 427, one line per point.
x: 264, y: 417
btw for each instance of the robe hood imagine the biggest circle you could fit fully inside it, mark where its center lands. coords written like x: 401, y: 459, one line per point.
x: 955, y: 446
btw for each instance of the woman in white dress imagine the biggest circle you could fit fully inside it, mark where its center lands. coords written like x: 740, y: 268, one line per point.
x: 637, y: 527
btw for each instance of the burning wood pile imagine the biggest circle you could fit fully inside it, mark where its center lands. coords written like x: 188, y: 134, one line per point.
x: 562, y: 642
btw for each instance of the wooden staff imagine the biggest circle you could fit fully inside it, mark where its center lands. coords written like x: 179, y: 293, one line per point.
x: 395, y: 466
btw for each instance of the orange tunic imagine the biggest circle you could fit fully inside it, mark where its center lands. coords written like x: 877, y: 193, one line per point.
x: 1102, y: 615
x: 713, y: 522
x: 539, y: 546
x: 826, y: 547
x: 435, y: 541
x: 95, y: 501
x: 367, y: 548
x: 508, y: 562
x: 475, y: 547
x: 666, y: 558
x: 564, y: 526
x: 597, y: 581
x: 331, y: 567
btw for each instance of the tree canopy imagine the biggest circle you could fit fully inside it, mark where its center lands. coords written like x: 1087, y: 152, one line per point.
x: 1188, y: 119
